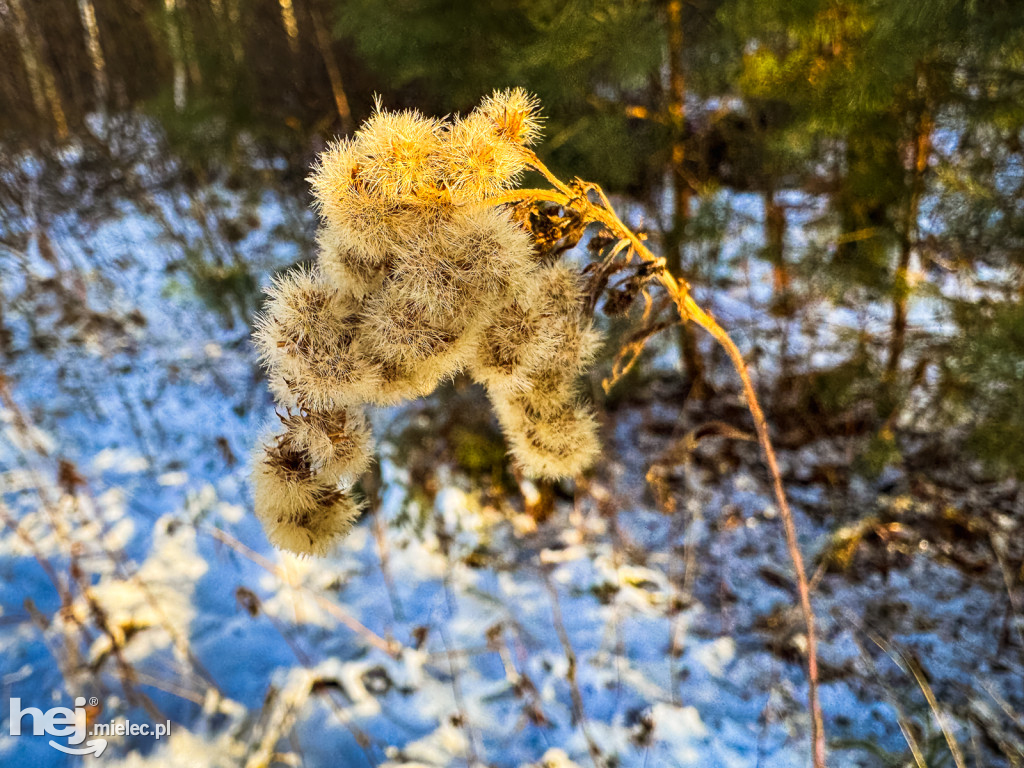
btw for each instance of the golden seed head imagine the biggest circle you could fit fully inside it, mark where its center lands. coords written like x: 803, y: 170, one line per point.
x: 300, y: 511
x: 418, y: 277
x: 515, y: 115
x: 558, y: 441
x: 306, y: 341
x: 475, y: 163
x: 393, y: 151
x: 334, y: 176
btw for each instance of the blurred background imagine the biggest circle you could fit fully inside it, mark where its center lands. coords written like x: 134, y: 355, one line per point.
x: 842, y: 183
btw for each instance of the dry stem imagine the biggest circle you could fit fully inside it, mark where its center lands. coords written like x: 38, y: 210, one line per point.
x: 578, y: 196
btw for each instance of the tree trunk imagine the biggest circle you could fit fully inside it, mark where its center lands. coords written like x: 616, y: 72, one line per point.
x: 774, y: 245
x: 92, y: 42
x: 693, y: 363
x: 908, y: 236
x: 42, y: 81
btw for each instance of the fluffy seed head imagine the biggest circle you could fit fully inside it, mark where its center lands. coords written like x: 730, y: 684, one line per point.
x: 562, y: 290
x: 283, y: 393
x: 313, y: 533
x: 540, y: 340
x: 284, y: 473
x: 334, y: 175
x: 418, y: 277
x: 488, y: 252
x: 475, y: 163
x: 403, y: 327
x: 305, y: 340
x: 551, y: 444
x: 335, y: 443
x: 517, y: 343
x: 298, y: 510
x: 562, y: 286
x: 370, y: 228
x: 347, y: 268
x: 514, y: 115
x: 394, y: 150
x: 426, y: 275
x: 365, y: 210
x: 403, y: 381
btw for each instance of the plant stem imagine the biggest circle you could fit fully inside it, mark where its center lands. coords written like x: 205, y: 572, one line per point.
x: 689, y: 310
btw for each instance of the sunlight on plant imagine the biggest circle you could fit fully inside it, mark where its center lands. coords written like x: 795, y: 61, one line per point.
x: 425, y: 271
x: 420, y: 275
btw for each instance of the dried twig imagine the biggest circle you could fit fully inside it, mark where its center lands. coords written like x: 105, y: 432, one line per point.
x: 371, y: 487
x: 579, y: 713
x: 250, y: 601
x: 390, y: 647
x: 894, y: 701
x: 630, y: 352
x: 911, y: 665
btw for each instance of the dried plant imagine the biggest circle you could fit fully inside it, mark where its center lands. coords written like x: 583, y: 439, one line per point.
x: 420, y: 275
x: 429, y: 264
x: 583, y: 203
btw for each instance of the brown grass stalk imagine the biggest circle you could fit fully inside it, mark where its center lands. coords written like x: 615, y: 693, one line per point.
x: 580, y: 196
x: 388, y: 646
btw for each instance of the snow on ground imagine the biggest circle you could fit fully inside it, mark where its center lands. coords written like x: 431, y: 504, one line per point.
x: 447, y: 629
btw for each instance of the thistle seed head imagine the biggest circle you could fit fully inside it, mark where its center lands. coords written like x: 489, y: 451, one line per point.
x: 346, y: 268
x: 305, y: 340
x: 337, y: 444
x: 404, y: 326
x: 475, y: 163
x: 426, y: 276
x: 561, y: 287
x: 311, y: 531
x: 514, y: 115
x: 299, y: 510
x: 515, y: 345
x: 398, y: 382
x: 541, y: 340
x: 553, y: 443
x: 334, y: 175
x: 284, y: 394
x: 487, y: 251
x: 418, y: 277
x: 394, y: 153
x: 284, y: 473
x: 370, y: 228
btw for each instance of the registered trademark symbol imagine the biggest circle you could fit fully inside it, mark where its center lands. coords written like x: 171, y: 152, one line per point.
x: 93, y: 701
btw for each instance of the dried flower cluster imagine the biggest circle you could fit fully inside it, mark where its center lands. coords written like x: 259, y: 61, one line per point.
x: 419, y: 276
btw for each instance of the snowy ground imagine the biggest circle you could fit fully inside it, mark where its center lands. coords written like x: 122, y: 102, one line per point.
x: 450, y: 628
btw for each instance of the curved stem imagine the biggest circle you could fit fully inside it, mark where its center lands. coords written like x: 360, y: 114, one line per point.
x: 803, y: 588
x: 690, y: 310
